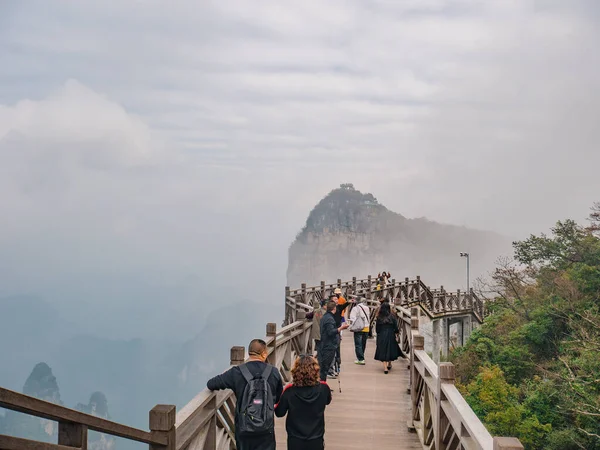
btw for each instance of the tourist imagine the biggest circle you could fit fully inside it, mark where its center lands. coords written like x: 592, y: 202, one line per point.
x: 261, y: 434
x: 304, y: 401
x: 316, y: 315
x: 359, y: 325
x: 341, y: 305
x: 330, y: 339
x: 386, y: 327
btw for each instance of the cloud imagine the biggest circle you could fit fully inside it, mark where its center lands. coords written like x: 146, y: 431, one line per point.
x: 191, y: 139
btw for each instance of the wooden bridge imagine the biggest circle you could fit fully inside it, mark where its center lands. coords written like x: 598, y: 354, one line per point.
x: 415, y: 406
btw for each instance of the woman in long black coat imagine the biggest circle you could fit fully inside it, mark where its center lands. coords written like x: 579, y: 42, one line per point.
x: 386, y: 326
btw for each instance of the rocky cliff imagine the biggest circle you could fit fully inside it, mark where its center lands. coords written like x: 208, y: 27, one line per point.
x: 349, y: 233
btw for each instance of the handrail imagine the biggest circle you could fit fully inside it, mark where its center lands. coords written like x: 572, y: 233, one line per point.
x: 73, y: 425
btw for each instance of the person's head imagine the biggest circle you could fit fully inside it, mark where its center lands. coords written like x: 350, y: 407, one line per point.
x: 257, y: 349
x: 305, y: 371
x: 331, y: 306
x: 384, y: 310
x: 337, y: 292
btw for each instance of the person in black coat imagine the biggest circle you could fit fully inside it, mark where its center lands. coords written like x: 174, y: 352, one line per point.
x: 234, y: 380
x: 386, y: 326
x: 330, y: 338
x: 304, y: 401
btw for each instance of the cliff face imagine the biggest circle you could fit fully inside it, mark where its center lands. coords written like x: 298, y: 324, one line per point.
x: 349, y: 233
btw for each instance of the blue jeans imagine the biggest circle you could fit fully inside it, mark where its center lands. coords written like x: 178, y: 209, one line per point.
x: 360, y: 344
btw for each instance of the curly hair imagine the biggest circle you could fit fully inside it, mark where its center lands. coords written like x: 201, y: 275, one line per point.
x: 306, y: 371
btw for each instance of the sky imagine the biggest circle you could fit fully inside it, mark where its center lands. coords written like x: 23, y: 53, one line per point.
x: 171, y: 150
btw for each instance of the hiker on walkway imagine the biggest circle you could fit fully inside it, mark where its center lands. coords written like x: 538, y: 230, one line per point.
x: 386, y: 327
x: 316, y: 315
x: 330, y: 339
x: 304, y: 401
x: 257, y: 387
x: 341, y: 305
x: 359, y: 325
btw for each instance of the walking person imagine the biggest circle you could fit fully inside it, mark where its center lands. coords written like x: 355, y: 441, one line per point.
x: 386, y: 327
x: 341, y: 305
x: 257, y: 387
x: 359, y: 325
x: 330, y: 340
x: 304, y: 401
x: 316, y: 315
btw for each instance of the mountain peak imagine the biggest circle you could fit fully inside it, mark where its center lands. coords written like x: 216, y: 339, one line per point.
x: 344, y: 209
x: 41, y: 383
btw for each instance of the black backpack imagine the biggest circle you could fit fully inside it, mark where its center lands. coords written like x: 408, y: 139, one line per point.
x: 256, y: 405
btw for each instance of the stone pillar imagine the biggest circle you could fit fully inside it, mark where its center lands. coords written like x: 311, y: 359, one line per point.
x: 444, y: 337
x: 435, y: 334
x: 466, y: 329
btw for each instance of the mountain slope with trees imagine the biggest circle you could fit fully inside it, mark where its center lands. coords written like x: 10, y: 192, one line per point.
x: 533, y: 368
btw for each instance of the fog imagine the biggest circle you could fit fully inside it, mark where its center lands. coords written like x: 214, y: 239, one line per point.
x: 157, y: 159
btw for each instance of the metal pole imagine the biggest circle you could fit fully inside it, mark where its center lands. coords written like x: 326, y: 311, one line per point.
x: 468, y: 287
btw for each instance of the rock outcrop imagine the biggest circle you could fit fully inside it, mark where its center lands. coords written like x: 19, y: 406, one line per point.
x: 349, y: 233
x: 98, y: 406
x: 41, y: 384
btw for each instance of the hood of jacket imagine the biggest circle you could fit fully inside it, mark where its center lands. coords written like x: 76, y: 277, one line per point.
x: 307, y: 394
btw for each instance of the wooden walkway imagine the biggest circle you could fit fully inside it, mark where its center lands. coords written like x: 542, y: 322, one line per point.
x: 372, y: 410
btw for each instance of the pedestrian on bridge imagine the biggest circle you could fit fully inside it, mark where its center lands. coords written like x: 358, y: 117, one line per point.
x: 359, y: 325
x: 304, y: 401
x: 254, y: 421
x: 330, y: 339
x: 386, y: 327
x: 316, y: 315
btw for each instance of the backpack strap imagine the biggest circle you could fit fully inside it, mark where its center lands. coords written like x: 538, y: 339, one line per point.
x: 267, y: 372
x: 246, y: 373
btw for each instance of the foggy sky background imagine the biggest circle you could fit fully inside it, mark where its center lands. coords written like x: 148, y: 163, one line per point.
x: 157, y: 158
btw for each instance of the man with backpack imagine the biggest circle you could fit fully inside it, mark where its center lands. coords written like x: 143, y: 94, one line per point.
x: 257, y: 387
x: 359, y: 325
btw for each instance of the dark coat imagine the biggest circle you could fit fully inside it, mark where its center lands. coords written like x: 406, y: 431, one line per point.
x: 387, y: 346
x: 330, y: 337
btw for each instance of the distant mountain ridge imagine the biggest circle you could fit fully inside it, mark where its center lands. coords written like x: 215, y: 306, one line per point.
x: 349, y: 233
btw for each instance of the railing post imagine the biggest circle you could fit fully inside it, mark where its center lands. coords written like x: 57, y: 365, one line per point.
x: 322, y: 291
x: 418, y: 343
x: 237, y: 356
x: 507, y: 443
x: 271, y: 333
x: 446, y: 375
x: 287, y: 308
x: 303, y: 292
x: 354, y: 285
x: 162, y: 421
x: 369, y: 288
x: 72, y: 435
x: 414, y: 329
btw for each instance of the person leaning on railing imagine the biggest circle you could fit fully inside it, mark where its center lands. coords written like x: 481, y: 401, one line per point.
x: 304, y: 402
x: 316, y: 315
x: 236, y: 380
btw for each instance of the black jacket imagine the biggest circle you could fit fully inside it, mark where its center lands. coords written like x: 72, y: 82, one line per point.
x: 339, y: 312
x: 305, y: 407
x: 329, y: 334
x: 234, y: 380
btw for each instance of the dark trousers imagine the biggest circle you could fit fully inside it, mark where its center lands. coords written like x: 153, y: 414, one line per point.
x: 263, y: 442
x: 325, y: 357
x: 360, y: 344
x: 317, y: 343
x: 303, y: 444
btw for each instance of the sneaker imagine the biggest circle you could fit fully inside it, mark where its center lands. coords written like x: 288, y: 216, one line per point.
x: 332, y: 376
x: 362, y: 363
x: 357, y: 362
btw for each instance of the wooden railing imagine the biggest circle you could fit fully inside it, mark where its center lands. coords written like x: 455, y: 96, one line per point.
x: 440, y: 415
x: 207, y: 422
x: 73, y: 425
x: 435, y: 303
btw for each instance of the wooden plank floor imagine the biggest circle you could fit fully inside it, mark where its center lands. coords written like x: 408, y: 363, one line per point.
x: 372, y: 410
